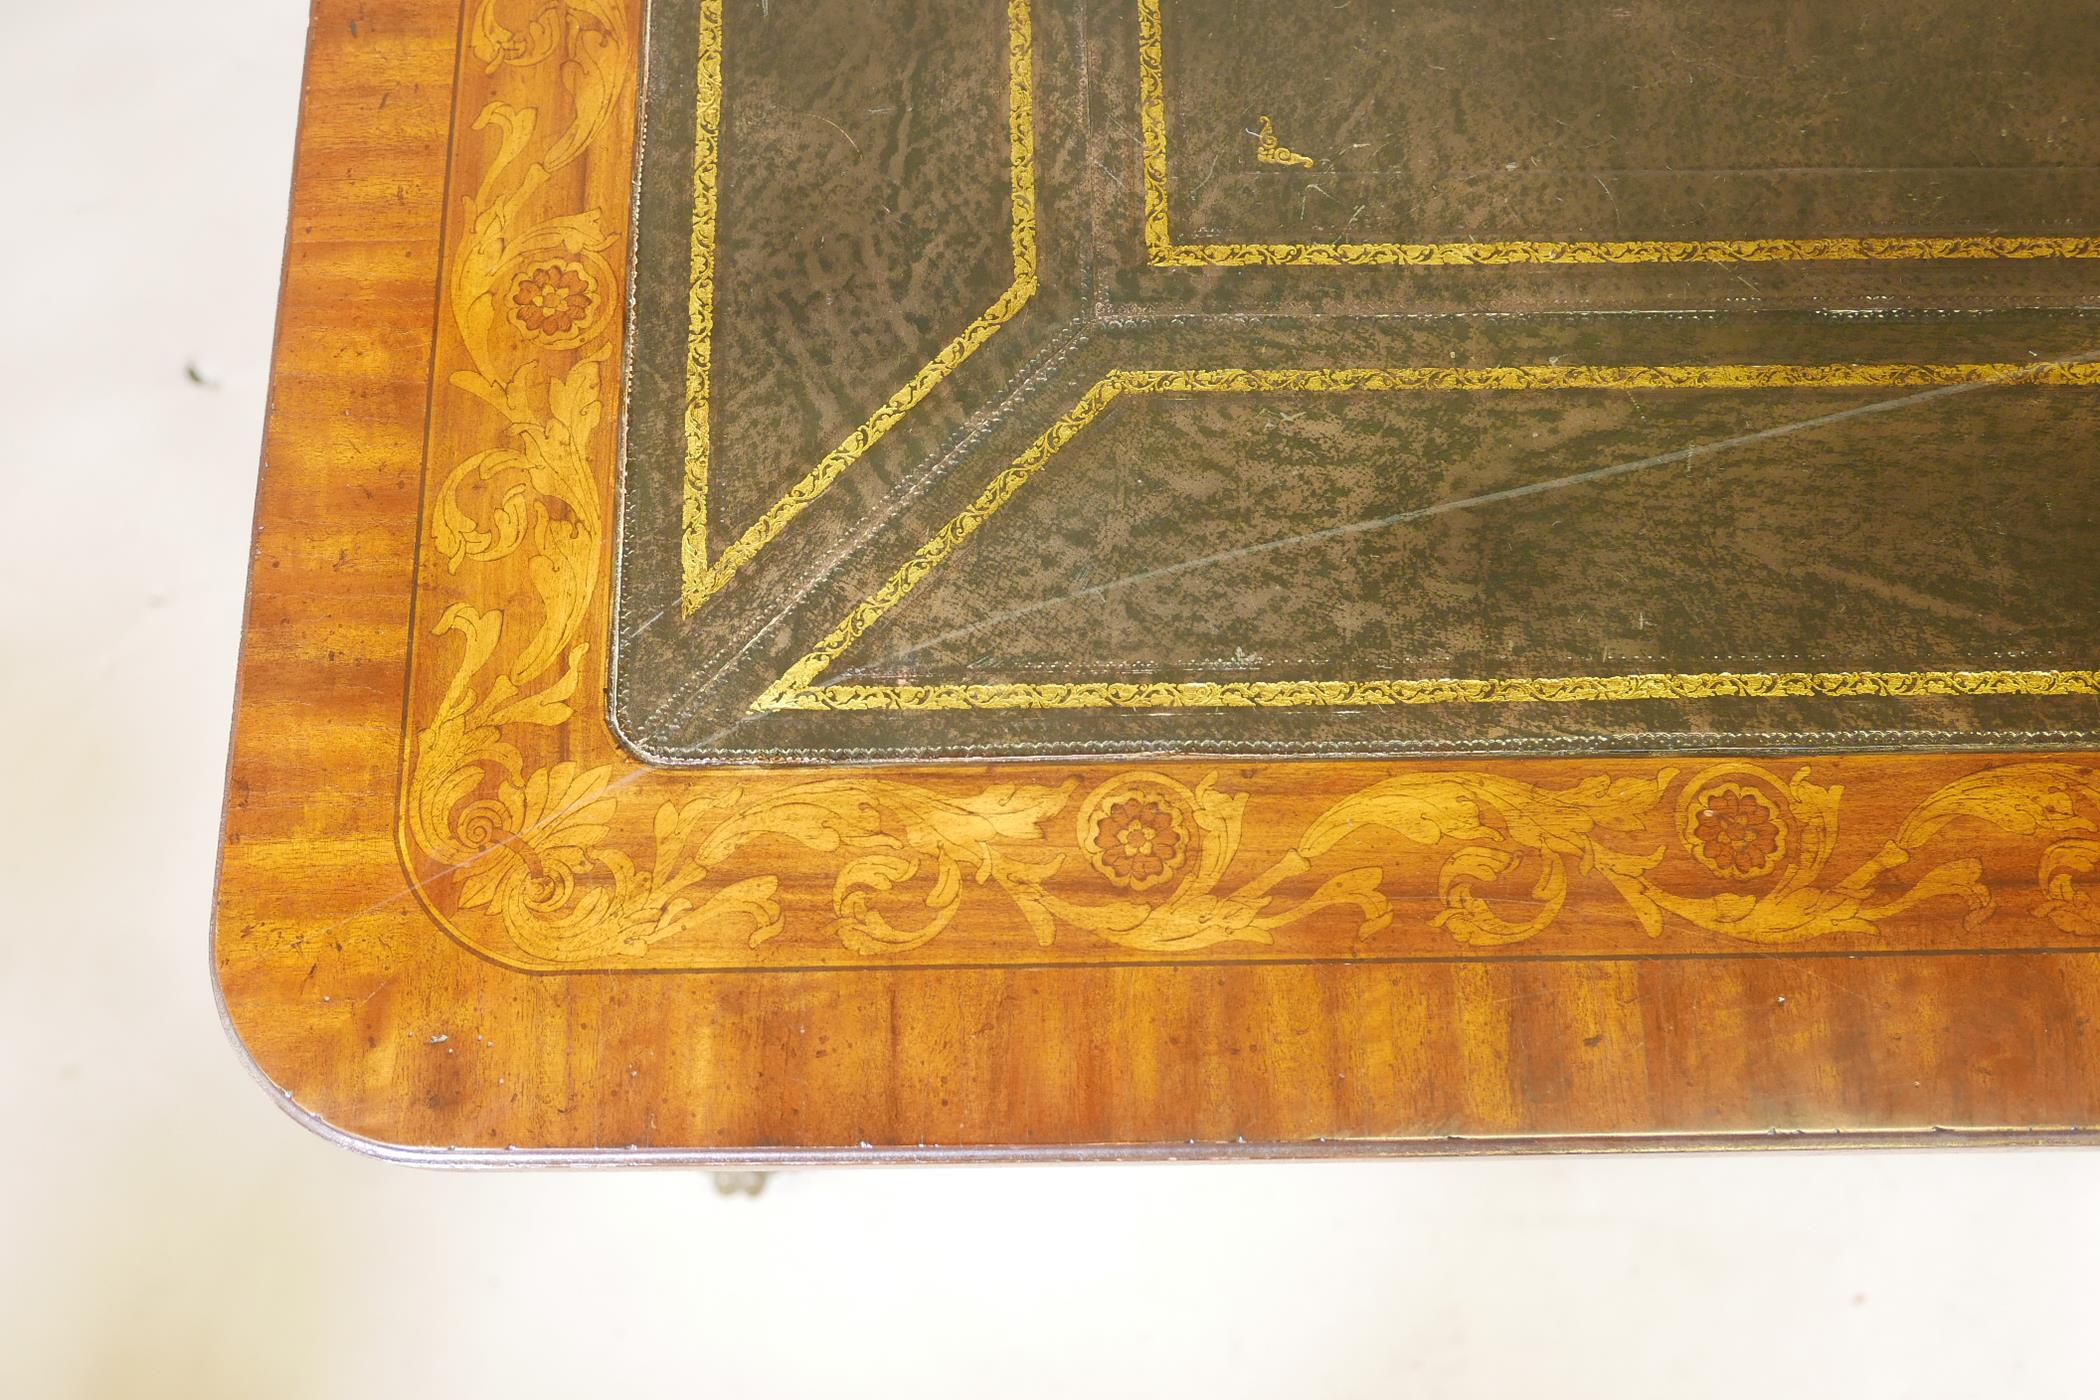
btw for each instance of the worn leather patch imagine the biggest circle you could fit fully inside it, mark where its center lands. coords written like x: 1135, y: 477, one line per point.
x: 1064, y: 377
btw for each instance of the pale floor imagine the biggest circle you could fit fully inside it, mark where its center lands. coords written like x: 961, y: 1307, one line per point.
x: 165, y: 1232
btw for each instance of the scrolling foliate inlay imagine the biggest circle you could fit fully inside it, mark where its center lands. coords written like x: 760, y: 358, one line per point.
x: 536, y: 847
x: 533, y: 839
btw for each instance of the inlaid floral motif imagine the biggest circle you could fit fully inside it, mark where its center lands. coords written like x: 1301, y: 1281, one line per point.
x: 1139, y: 841
x: 551, y: 301
x: 1734, y: 832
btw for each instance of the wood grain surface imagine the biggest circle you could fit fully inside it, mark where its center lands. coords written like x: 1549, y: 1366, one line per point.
x: 531, y: 947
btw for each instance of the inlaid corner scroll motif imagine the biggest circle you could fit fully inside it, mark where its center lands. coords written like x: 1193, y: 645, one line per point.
x: 533, y: 839
x: 542, y: 848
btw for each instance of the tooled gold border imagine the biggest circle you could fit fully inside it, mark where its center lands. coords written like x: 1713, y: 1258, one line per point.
x: 702, y: 578
x: 797, y: 688
x: 532, y: 842
x: 1162, y: 250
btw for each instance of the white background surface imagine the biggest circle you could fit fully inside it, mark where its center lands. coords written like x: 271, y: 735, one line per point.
x: 165, y: 1232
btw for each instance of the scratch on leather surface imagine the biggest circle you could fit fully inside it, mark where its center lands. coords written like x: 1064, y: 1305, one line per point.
x: 794, y: 690
x: 1356, y: 527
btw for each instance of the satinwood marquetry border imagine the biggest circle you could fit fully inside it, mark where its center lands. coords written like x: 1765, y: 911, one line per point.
x: 538, y: 842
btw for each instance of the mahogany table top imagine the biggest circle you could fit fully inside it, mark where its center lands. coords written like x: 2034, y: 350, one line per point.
x: 1126, y: 578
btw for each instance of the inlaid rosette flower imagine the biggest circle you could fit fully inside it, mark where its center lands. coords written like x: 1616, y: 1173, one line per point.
x: 1139, y: 840
x: 1735, y: 832
x: 549, y: 301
